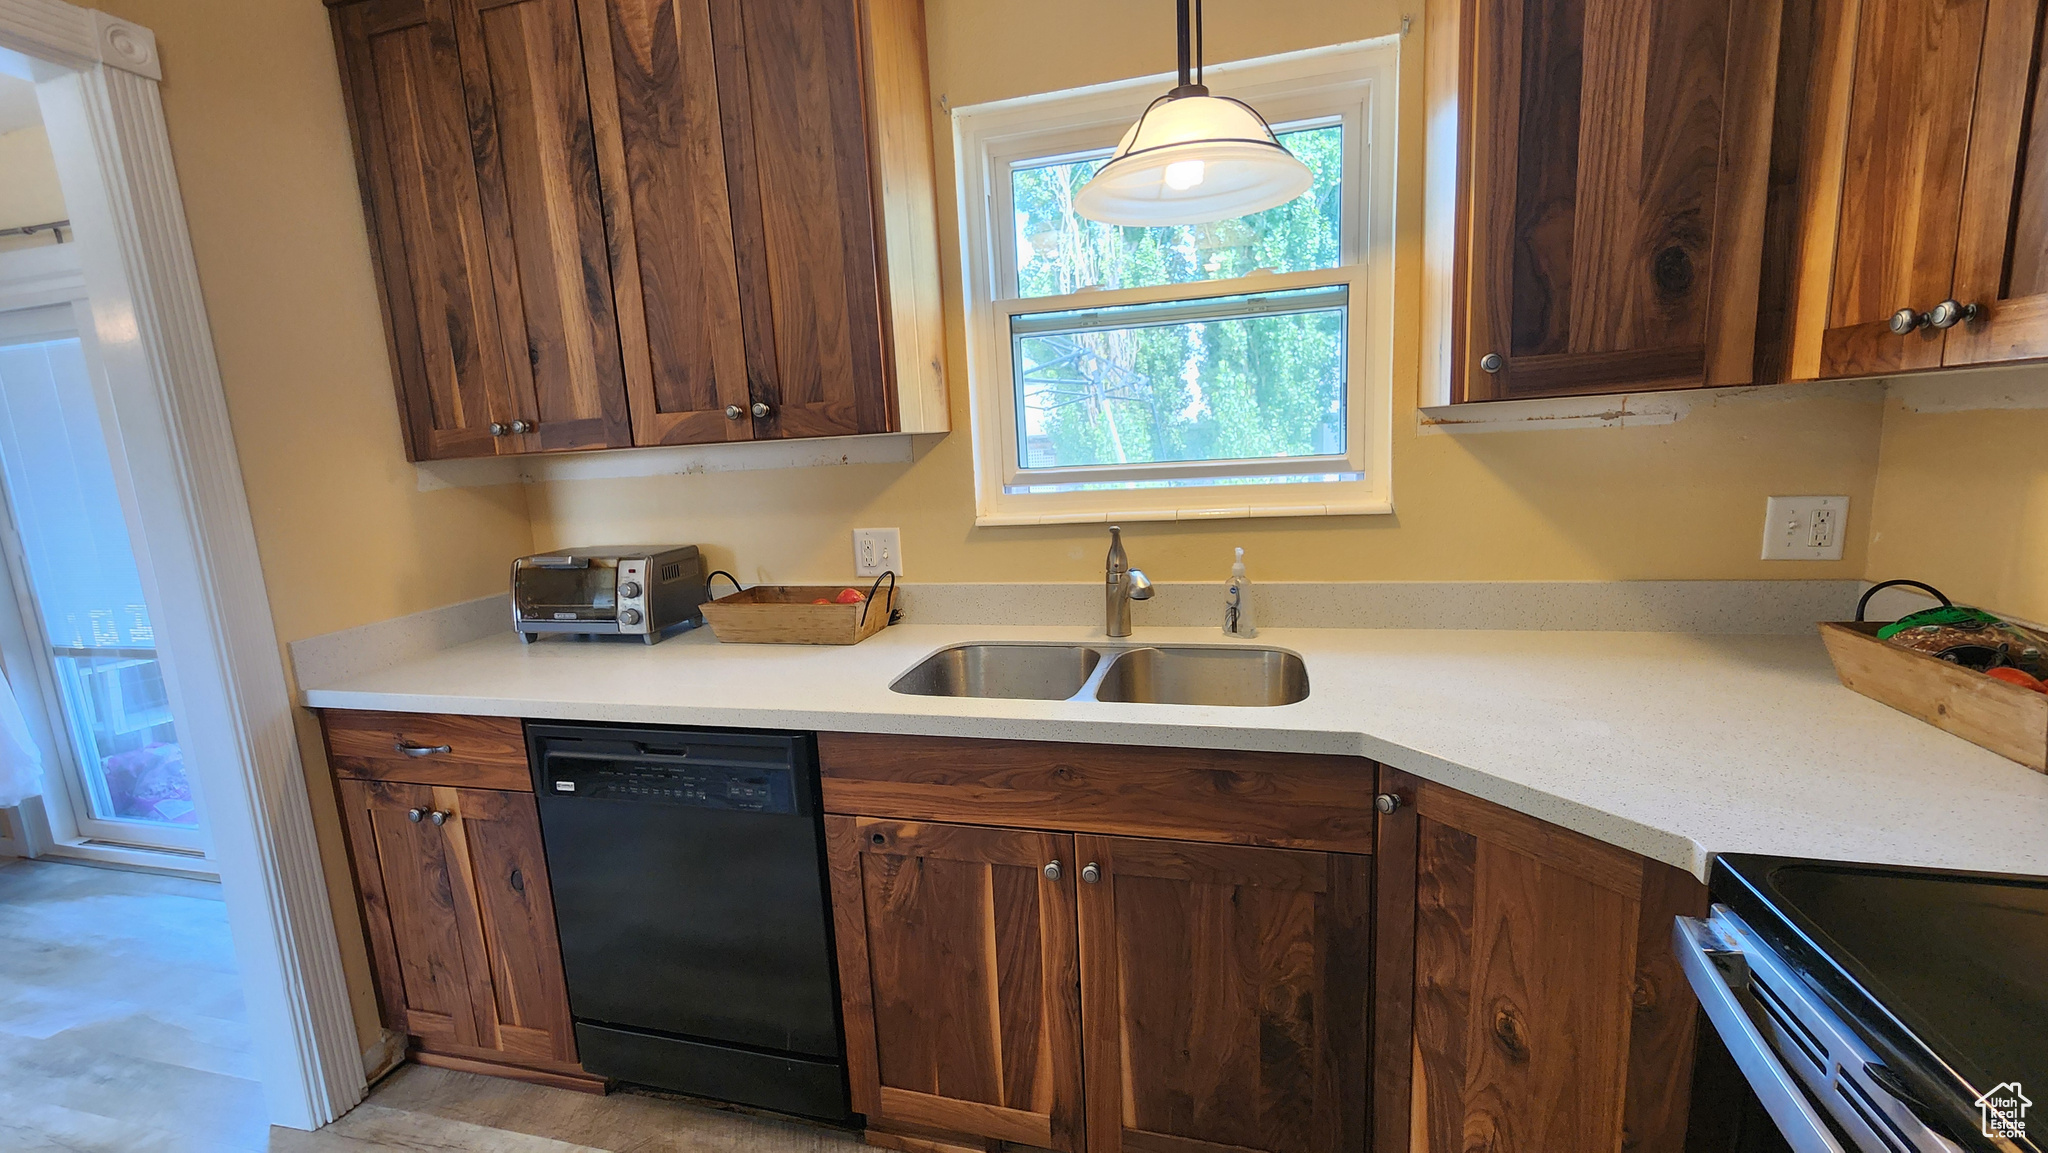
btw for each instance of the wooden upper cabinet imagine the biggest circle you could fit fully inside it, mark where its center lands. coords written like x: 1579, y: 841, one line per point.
x: 1925, y: 215
x: 796, y: 140
x: 958, y: 973
x: 654, y: 100
x: 1609, y: 161
x: 1224, y: 997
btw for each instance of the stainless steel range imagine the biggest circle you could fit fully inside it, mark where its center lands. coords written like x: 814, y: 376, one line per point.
x: 1876, y: 1009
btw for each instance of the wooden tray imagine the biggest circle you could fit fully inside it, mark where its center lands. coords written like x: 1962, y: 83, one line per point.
x: 2007, y: 719
x: 784, y: 615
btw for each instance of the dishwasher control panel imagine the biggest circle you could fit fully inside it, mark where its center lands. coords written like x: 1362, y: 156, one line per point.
x: 737, y: 788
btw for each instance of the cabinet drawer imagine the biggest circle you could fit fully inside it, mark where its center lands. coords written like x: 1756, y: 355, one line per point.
x: 466, y: 752
x: 1288, y: 800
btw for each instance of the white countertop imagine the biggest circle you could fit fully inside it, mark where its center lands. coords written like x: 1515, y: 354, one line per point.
x: 1671, y: 745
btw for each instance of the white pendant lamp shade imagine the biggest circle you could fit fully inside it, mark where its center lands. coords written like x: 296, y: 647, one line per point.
x: 1193, y: 158
x: 1190, y: 160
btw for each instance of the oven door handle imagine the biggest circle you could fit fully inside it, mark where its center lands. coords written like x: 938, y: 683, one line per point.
x: 1775, y: 1086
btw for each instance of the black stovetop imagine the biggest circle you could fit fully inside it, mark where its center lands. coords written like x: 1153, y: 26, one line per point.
x: 1944, y: 974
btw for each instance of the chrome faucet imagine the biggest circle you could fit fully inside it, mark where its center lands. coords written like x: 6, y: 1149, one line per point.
x: 1122, y: 584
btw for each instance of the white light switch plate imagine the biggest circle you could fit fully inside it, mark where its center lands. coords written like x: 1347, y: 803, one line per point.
x: 876, y: 551
x: 1805, y: 527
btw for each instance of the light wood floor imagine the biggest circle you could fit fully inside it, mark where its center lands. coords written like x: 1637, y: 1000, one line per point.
x: 122, y: 1031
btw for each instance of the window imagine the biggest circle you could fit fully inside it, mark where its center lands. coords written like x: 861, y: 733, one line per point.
x: 1241, y: 368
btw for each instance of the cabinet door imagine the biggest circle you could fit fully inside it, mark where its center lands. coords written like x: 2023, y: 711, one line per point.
x: 2002, y: 257
x: 959, y: 979
x: 1549, y: 1010
x: 1615, y: 194
x: 537, y: 175
x: 796, y: 147
x: 508, y: 919
x: 1912, y: 68
x: 409, y: 898
x: 655, y: 106
x: 402, y: 71
x: 1224, y: 997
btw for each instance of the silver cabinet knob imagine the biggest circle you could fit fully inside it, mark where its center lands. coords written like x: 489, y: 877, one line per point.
x: 1950, y: 313
x: 414, y: 815
x: 734, y: 412
x: 1387, y: 802
x: 498, y: 429
x: 438, y: 817
x: 1906, y: 320
x: 761, y: 409
x: 1052, y: 871
x: 629, y: 590
x: 629, y: 616
x: 1492, y: 362
x: 1091, y: 872
x: 522, y: 426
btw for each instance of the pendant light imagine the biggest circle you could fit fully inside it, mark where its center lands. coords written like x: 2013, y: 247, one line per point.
x: 1193, y: 158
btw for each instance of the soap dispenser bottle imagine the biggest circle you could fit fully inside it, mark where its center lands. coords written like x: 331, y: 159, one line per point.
x: 1237, y: 602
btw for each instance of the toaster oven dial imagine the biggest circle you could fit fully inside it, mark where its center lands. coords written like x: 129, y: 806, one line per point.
x: 629, y: 616
x: 629, y: 590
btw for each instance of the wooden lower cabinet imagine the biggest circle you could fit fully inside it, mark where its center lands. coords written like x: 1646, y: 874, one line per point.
x: 454, y: 893
x: 1450, y: 976
x: 1224, y: 993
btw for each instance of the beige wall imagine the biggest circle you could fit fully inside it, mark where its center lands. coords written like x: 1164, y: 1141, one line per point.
x: 253, y: 101
x: 1962, y: 503
x: 28, y: 185
x: 1684, y: 500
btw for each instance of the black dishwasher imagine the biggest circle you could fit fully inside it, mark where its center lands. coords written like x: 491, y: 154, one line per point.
x: 689, y: 880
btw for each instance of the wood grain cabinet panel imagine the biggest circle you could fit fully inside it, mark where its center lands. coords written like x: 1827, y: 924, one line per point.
x: 1611, y: 213
x: 959, y: 976
x: 454, y: 895
x: 790, y: 87
x: 1927, y: 183
x: 1548, y: 1010
x: 655, y: 103
x: 1225, y: 994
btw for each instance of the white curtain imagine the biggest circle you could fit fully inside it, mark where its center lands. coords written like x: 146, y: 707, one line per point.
x: 21, y: 763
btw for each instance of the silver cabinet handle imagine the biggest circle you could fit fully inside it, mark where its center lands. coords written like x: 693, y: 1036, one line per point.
x: 1492, y: 362
x: 414, y: 815
x: 1387, y: 802
x: 498, y: 429
x: 413, y: 750
x: 1905, y: 320
x: 761, y: 409
x: 1091, y: 872
x: 1950, y: 313
x: 734, y: 412
x: 522, y: 426
x: 1775, y: 1087
x: 438, y: 817
x: 1052, y: 871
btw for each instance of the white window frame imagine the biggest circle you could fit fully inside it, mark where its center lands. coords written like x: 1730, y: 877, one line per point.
x: 1355, y: 84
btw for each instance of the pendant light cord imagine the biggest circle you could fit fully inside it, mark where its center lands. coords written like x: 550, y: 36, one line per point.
x: 1198, y: 45
x: 1190, y: 29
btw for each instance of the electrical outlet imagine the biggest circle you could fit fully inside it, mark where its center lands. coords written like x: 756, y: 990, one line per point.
x: 876, y: 551
x: 1805, y: 527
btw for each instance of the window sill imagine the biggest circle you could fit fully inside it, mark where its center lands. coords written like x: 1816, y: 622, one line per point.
x: 1193, y: 513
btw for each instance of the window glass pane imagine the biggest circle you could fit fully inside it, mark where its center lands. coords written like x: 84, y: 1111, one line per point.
x: 60, y: 483
x: 1221, y: 379
x: 1059, y: 252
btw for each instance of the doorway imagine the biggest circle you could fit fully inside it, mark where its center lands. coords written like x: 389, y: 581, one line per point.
x: 79, y: 620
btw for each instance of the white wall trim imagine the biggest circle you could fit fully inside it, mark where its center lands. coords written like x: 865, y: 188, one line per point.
x: 672, y: 460
x: 97, y: 85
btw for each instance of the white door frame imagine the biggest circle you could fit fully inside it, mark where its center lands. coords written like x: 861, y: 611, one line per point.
x: 96, y: 77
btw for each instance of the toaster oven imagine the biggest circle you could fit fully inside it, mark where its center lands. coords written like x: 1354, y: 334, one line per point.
x: 642, y: 591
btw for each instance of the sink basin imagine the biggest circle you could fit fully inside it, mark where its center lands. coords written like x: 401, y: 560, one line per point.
x: 1218, y: 675
x: 1019, y: 672
x: 1172, y: 675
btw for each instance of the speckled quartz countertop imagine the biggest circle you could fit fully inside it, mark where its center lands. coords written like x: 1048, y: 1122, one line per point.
x: 1671, y: 745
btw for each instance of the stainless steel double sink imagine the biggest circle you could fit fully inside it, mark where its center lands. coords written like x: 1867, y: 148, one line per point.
x: 1141, y: 674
